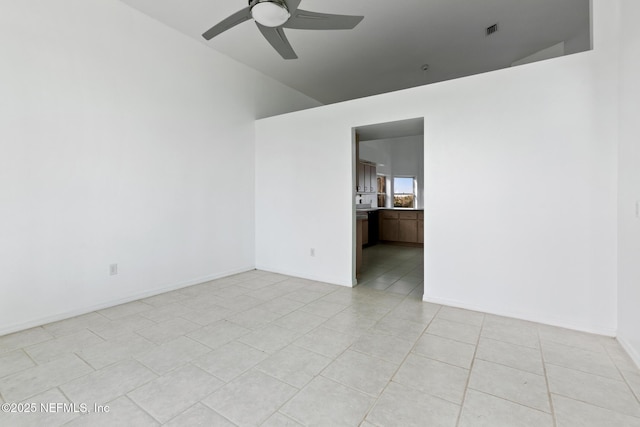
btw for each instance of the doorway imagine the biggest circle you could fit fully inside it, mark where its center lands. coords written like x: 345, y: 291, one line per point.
x: 388, y: 207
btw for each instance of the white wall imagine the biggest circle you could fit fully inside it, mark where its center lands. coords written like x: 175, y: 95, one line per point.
x: 629, y: 182
x: 124, y: 142
x: 520, y: 187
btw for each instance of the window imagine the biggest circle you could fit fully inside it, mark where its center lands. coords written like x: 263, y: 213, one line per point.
x: 404, y: 192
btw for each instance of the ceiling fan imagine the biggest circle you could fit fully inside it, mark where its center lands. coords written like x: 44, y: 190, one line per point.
x: 273, y: 16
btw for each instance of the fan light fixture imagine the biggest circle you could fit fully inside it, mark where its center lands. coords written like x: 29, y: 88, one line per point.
x: 270, y: 13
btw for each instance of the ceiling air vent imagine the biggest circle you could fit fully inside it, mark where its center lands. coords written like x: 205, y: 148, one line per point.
x: 492, y: 29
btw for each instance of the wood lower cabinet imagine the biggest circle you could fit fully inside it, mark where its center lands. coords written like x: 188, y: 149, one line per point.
x: 389, y: 226
x: 402, y: 226
x: 408, y: 227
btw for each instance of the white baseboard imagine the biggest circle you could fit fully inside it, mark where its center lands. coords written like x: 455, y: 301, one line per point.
x: 301, y: 275
x: 522, y: 316
x: 633, y: 353
x: 16, y: 327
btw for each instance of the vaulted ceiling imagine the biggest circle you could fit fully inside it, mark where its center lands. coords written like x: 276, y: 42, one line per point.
x: 386, y: 51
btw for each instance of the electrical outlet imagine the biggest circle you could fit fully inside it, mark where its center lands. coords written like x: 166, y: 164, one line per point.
x: 113, y: 269
x: 312, y: 252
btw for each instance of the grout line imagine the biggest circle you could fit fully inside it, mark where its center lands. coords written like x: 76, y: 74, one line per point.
x: 473, y: 360
x: 377, y: 399
x: 546, y: 380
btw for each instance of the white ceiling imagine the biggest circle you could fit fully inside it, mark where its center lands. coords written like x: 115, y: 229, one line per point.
x: 391, y: 130
x: 386, y: 50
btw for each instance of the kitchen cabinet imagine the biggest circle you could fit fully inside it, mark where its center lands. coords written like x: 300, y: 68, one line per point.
x: 366, y: 178
x: 402, y: 226
x: 389, y: 226
x: 370, y: 179
x: 408, y: 227
x: 360, y: 178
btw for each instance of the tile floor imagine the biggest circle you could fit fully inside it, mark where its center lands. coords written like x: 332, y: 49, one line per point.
x: 264, y: 349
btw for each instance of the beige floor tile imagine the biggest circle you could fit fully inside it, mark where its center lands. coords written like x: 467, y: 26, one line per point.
x: 173, y: 393
x: 255, y: 283
x: 271, y: 338
x: 415, y: 311
x: 254, y: 318
x: 325, y: 341
x: 206, y: 301
x: 16, y: 361
x: 300, y: 321
x: 350, y: 323
x: 582, y: 360
x: 325, y: 402
x: 268, y: 293
x: 461, y: 316
x: 109, y: 383
x: 169, y: 330
x: 403, y: 406
x: 121, y: 326
x: 172, y: 355
x: 122, y: 412
x: 59, y: 347
x: 199, y: 415
x: 620, y: 357
x: 300, y: 352
x: 167, y: 298
x: 280, y: 420
x: 208, y: 316
x: 230, y: 292
x: 462, y: 332
x: 401, y: 287
x: 125, y: 310
x: 116, y: 349
x: 163, y: 313
x: 22, y: 339
x: 242, y: 302
x: 572, y: 413
x: 53, y: 416
x: 218, y: 334
x: 596, y: 390
x: 571, y: 338
x: 513, y: 333
x: 231, y: 360
x: 362, y: 372
x: 323, y: 308
x: 483, y: 410
x: 446, y: 350
x: 305, y: 295
x: 432, y: 377
x: 383, y: 346
x: 281, y: 306
x: 515, y: 356
x: 632, y: 377
x: 294, y: 365
x: 251, y: 398
x: 41, y: 378
x: 76, y: 324
x: 399, y: 327
x: 511, y: 384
